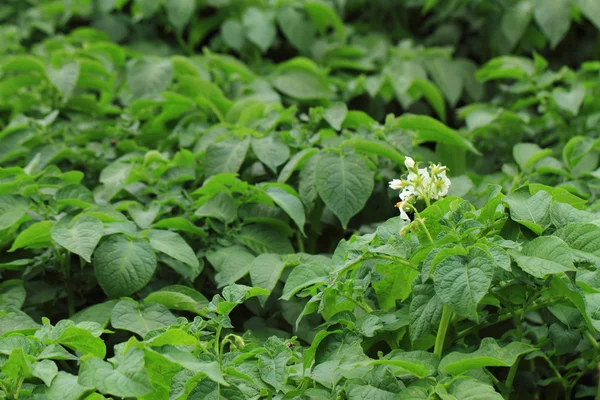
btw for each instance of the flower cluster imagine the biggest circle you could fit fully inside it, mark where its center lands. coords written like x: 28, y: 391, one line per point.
x: 430, y: 183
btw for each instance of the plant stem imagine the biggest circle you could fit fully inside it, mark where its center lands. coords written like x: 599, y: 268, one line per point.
x: 421, y: 221
x: 441, y: 333
x: 300, y: 242
x: 591, y: 339
x: 513, y: 368
x: 598, y: 390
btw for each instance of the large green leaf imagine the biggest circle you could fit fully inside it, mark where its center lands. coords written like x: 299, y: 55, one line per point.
x: 553, y: 18
x: 271, y: 150
x: 289, y: 202
x: 173, y: 245
x: 264, y: 239
x: 130, y: 316
x: 232, y: 263
x: 225, y: 156
x: 123, y: 266
x: 147, y: 76
x: 584, y: 241
x: 80, y: 236
x: 345, y: 183
x: 425, y: 311
x: 36, y: 235
x: 418, y: 363
x: 462, y: 281
x: 530, y: 211
x: 259, y: 27
x: 489, y: 354
x: 66, y: 387
x: 305, y: 275
x: 430, y: 130
x: 544, y: 256
x: 12, y: 209
x: 265, y: 271
x: 179, y: 12
x: 128, y: 379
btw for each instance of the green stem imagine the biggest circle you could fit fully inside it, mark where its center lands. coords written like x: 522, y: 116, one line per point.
x: 300, y: 242
x: 519, y: 335
x: 591, y: 339
x: 441, y: 333
x: 421, y: 221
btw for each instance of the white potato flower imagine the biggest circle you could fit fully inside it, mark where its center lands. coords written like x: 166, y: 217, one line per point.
x: 430, y: 183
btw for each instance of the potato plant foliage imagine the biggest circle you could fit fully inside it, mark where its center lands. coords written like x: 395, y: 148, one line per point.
x: 195, y: 199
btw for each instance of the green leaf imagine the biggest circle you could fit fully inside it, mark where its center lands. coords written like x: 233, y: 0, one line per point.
x: 530, y: 211
x: 232, y: 33
x: 12, y: 294
x: 225, y: 156
x: 417, y: 363
x: 433, y: 95
x: 544, y: 256
x: 290, y: 203
x: 12, y: 209
x: 527, y: 154
x: 553, y: 18
x: 425, y: 311
x: 231, y: 263
x: 35, y: 236
x: 515, y: 22
x: 65, y: 78
x: 221, y: 206
x: 272, y: 365
x: 370, y: 392
x: 395, y: 285
x: 461, y: 282
x: 173, y: 245
x: 271, y: 151
x: 178, y: 297
x: 583, y: 240
x: 144, y: 216
x: 179, y: 224
x: 296, y: 163
x: 430, y: 130
x: 565, y: 340
x: 75, y: 196
x: 259, y: 27
x: 123, y: 266
x: 335, y: 115
x: 305, y: 275
x: 265, y: 271
x: 82, y: 340
x: 345, y: 183
x: 569, y: 100
x: 99, y: 313
x: 66, y: 387
x: 302, y: 83
x: 130, y: 316
x: 473, y: 389
x: 323, y: 17
x: 128, y: 379
x: 147, y: 76
x: 591, y: 9
x: 80, y: 236
x: 296, y: 28
x: 264, y: 239
x: 45, y: 370
x: 179, y: 12
x: 489, y: 354
x: 148, y: 7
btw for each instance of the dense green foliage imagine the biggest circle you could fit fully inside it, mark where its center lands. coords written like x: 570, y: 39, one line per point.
x: 194, y: 199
